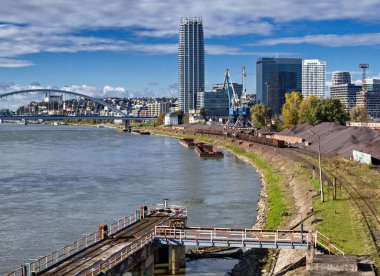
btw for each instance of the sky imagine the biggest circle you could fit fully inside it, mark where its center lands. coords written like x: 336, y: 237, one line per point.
x: 128, y: 48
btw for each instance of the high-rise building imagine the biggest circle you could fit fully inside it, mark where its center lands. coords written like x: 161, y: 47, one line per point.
x: 314, y: 78
x: 346, y: 93
x: 341, y: 77
x: 190, y: 62
x: 351, y: 95
x: 274, y: 78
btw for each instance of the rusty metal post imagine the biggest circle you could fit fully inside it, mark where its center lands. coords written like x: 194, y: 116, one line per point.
x: 102, y: 231
x: 334, y: 188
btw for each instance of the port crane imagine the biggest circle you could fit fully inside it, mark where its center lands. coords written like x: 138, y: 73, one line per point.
x: 239, y: 115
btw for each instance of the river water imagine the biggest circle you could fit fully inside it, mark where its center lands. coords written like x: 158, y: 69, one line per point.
x: 59, y: 182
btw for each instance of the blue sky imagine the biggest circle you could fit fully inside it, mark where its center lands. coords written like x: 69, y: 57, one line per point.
x: 129, y: 47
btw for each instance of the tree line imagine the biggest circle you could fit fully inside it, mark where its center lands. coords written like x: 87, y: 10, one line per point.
x: 310, y: 110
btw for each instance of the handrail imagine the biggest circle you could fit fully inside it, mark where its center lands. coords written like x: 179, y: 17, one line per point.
x: 326, y: 243
x: 121, y: 224
x: 18, y: 272
x: 117, y: 257
x: 67, y: 251
x: 232, y: 235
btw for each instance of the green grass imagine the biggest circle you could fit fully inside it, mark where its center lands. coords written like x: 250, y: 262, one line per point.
x: 341, y: 221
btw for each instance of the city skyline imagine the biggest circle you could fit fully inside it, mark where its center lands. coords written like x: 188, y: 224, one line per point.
x: 126, y: 49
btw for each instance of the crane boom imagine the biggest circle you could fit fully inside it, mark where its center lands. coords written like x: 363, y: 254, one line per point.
x: 233, y: 99
x: 239, y: 114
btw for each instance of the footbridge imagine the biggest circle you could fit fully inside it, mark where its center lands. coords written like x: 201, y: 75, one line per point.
x: 153, y: 234
x: 56, y: 104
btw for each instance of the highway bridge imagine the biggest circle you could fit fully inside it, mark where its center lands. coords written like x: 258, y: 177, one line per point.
x: 133, y: 244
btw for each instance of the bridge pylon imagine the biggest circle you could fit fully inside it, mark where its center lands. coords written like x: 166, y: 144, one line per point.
x: 127, y: 126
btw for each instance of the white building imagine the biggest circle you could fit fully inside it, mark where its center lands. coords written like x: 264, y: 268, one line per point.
x: 171, y: 119
x: 313, y: 78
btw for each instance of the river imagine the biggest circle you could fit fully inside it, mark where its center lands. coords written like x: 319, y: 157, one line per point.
x: 59, y: 182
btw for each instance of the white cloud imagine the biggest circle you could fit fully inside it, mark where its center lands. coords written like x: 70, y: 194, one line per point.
x: 328, y: 40
x: 35, y: 26
x: 114, y: 91
x: 13, y: 63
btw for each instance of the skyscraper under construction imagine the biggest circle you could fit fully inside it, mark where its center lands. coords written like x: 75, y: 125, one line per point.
x: 191, y: 66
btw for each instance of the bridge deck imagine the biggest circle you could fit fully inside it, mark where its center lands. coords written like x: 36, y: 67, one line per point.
x: 106, y: 248
x: 248, y: 238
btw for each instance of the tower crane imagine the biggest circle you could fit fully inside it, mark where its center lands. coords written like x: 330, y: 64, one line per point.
x: 239, y: 114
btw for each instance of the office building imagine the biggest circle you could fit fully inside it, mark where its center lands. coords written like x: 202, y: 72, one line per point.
x: 346, y: 93
x: 238, y: 88
x: 341, y: 77
x: 373, y: 84
x: 156, y: 109
x: 274, y: 78
x: 215, y: 102
x: 190, y: 62
x: 313, y: 78
x: 351, y: 95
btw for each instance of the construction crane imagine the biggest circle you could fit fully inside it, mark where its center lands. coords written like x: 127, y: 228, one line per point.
x: 244, y: 98
x: 239, y: 115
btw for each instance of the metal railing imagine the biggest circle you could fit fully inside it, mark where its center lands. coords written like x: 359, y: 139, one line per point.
x: 326, y: 243
x: 243, y: 236
x: 118, y: 257
x: 121, y: 224
x: 121, y: 255
x: 18, y: 272
x: 67, y: 251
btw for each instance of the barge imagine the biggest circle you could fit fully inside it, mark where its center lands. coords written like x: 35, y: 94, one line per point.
x: 208, y: 151
x: 202, y: 149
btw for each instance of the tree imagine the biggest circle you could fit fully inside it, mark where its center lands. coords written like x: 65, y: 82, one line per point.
x: 160, y: 119
x: 358, y: 114
x: 331, y: 110
x: 291, y: 108
x: 202, y: 113
x: 185, y: 118
x: 308, y: 111
x: 260, y: 115
x: 277, y: 123
x: 180, y: 114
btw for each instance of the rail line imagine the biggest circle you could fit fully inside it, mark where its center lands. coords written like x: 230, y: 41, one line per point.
x: 66, y: 268
x: 365, y: 208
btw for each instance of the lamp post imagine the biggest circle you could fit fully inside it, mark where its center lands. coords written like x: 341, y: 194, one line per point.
x: 268, y: 85
x: 319, y: 163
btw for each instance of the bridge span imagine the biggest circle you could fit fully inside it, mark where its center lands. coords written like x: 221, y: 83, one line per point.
x: 134, y: 243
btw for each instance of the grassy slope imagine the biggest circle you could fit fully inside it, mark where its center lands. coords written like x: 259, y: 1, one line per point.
x: 339, y: 219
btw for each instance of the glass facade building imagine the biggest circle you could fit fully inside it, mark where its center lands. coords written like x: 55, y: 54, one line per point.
x: 274, y: 78
x: 191, y: 68
x: 341, y: 77
x: 215, y: 102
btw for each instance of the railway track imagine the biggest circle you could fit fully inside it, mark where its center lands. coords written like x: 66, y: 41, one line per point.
x: 365, y: 207
x: 89, y: 256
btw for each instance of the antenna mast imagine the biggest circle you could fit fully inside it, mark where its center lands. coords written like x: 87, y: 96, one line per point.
x: 364, y: 67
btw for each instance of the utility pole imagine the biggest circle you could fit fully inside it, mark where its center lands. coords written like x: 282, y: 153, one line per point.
x: 319, y: 163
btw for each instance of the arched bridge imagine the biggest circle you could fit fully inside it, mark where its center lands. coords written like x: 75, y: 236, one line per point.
x: 56, y: 104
